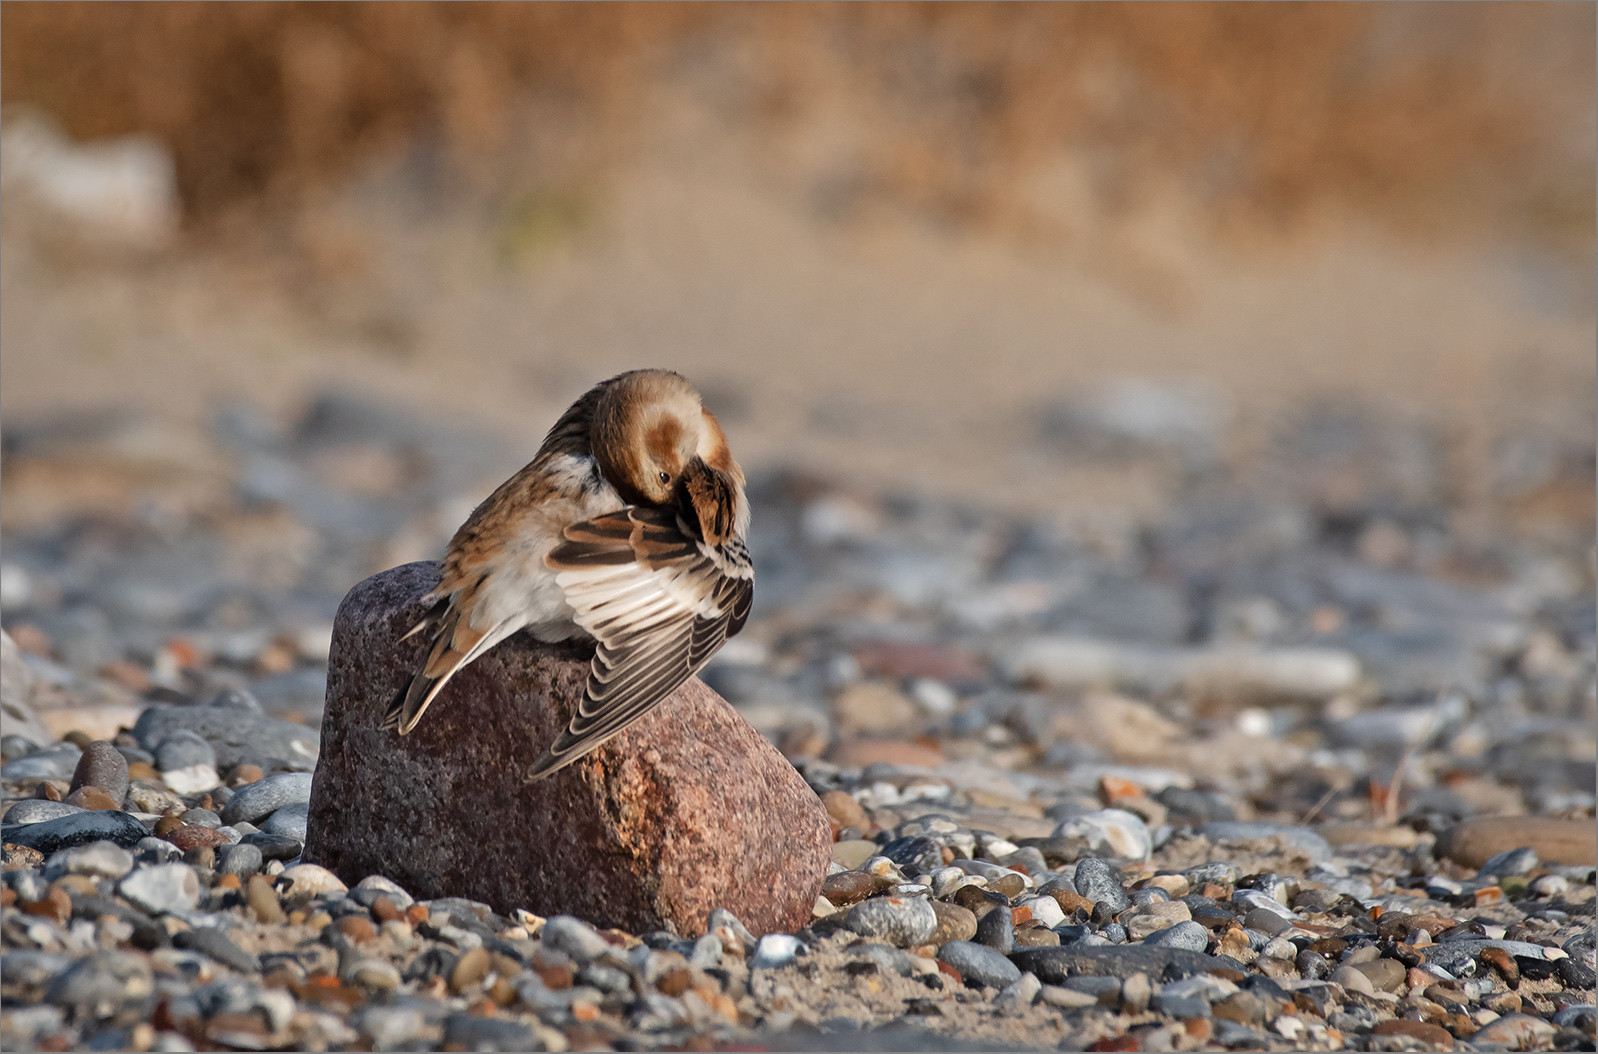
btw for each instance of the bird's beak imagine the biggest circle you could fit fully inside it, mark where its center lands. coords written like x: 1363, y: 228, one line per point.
x: 706, y: 497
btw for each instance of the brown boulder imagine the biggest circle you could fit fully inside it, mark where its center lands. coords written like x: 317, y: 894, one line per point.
x: 688, y: 810
x: 1471, y: 843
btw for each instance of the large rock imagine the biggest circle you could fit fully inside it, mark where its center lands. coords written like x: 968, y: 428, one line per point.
x: 688, y: 810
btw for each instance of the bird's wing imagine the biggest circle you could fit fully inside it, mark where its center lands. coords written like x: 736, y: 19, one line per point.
x: 659, y: 601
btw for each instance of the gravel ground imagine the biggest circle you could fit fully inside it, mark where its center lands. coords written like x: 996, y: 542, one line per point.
x: 1233, y: 776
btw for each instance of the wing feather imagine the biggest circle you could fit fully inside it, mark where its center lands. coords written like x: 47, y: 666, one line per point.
x: 659, y: 601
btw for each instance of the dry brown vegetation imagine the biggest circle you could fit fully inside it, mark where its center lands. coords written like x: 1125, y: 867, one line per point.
x: 1480, y: 114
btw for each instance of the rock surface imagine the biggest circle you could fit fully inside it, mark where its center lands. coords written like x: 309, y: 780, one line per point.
x: 688, y: 810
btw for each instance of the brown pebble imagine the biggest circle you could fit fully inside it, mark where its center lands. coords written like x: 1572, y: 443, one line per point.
x: 1009, y: 885
x: 140, y: 770
x: 675, y: 982
x: 976, y: 900
x: 167, y: 824
x: 845, y: 810
x: 188, y: 836
x: 19, y: 857
x: 1331, y: 947
x: 555, y: 977
x: 92, y: 798
x: 1215, y: 892
x: 1036, y: 937
x: 202, y: 856
x: 78, y: 739
x: 1070, y: 901
x: 504, y: 965
x: 8, y: 897
x: 227, y: 882
x: 358, y: 929
x: 469, y: 969
x: 207, y: 804
x: 1436, y: 1035
x: 955, y: 923
x: 263, y: 901
x: 385, y: 910
x: 1503, y: 1002
x: 46, y: 791
x: 54, y: 905
x: 504, y: 993
x: 245, y: 774
x: 1504, y: 963
x: 846, y: 887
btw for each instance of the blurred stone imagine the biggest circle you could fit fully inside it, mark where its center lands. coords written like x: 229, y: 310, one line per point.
x: 1472, y: 843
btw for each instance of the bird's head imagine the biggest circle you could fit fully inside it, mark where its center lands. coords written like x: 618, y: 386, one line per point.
x: 658, y: 445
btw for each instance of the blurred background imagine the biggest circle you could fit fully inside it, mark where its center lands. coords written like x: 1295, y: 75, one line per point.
x: 1068, y: 348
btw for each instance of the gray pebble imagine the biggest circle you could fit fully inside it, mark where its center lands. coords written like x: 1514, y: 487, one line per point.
x: 241, y: 859
x: 214, y: 944
x: 203, y: 818
x: 978, y: 964
x: 97, y: 985
x: 52, y: 763
x: 260, y: 799
x: 290, y: 821
x: 1511, y: 862
x: 378, y: 884
x: 100, y: 859
x: 888, y: 959
x: 1100, y: 881
x: 996, y: 930
x: 102, y: 766
x: 1189, y: 935
x: 161, y: 888
x: 38, y: 810
x: 182, y: 748
x: 574, y: 937
x: 1298, y: 837
x: 901, y: 921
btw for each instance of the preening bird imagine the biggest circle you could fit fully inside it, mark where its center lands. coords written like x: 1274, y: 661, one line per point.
x: 627, y: 527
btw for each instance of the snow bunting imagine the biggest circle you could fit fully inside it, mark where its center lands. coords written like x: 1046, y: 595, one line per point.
x: 628, y: 527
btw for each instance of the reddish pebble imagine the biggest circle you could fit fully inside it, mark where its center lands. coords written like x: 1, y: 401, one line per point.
x: 92, y: 798
x: 188, y: 836
x: 385, y: 910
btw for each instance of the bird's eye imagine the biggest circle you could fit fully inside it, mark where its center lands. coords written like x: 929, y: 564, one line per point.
x: 664, y: 478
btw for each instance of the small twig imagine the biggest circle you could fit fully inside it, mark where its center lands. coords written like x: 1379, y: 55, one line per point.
x: 1397, y: 785
x: 1315, y: 809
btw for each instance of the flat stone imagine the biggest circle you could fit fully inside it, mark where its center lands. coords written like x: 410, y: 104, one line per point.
x: 688, y: 810
x: 80, y: 828
x: 214, y: 944
x: 184, y: 748
x: 1435, y: 1035
x: 1475, y: 841
x: 1515, y: 1032
x: 1053, y: 965
x: 38, y: 810
x: 1353, y: 980
x: 162, y: 888
x: 102, y: 766
x: 274, y: 846
x: 258, y: 800
x: 979, y: 965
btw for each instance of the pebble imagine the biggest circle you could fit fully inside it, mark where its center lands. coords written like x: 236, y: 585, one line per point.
x: 237, y: 731
x: 1514, y: 1032
x: 80, y: 828
x: 242, y: 859
x: 274, y: 846
x: 1116, y: 831
x: 214, y: 944
x: 854, y: 853
x: 98, y: 859
x: 1188, y: 935
x: 162, y: 888
x: 1100, y: 881
x: 102, y: 766
x: 995, y: 929
x: 904, y: 922
x: 260, y: 799
x: 979, y: 965
x: 99, y: 985
x: 312, y: 880
x: 289, y: 821
x: 775, y: 950
x: 1023, y: 991
x: 955, y: 923
x: 93, y: 798
x: 56, y: 762
x: 38, y: 810
x: 1517, y: 861
x: 576, y: 938
x: 1474, y: 841
x: 1301, y: 838
x: 386, y: 887
x: 264, y: 902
